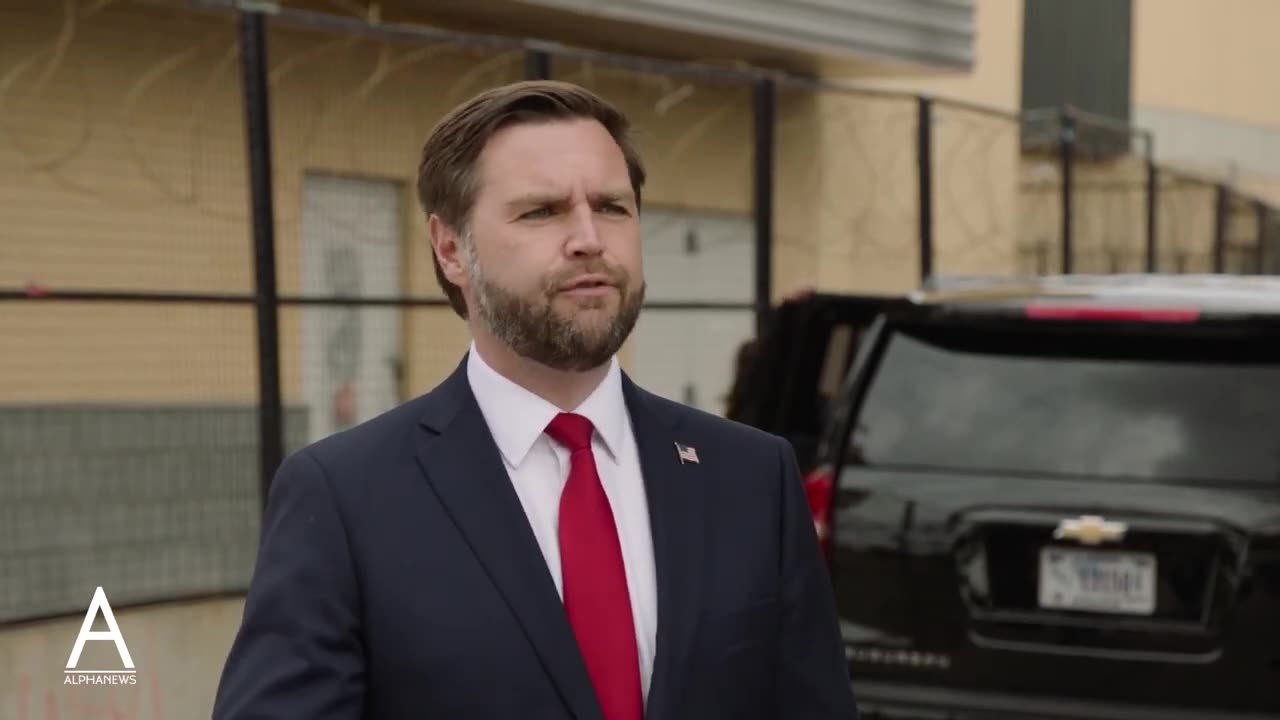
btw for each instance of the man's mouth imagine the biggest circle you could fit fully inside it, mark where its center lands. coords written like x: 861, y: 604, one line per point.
x: 588, y: 285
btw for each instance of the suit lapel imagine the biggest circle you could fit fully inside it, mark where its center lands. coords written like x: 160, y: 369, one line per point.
x: 463, y: 465
x: 675, y: 494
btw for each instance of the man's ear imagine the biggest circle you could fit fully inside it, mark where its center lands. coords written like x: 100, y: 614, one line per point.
x: 445, y: 244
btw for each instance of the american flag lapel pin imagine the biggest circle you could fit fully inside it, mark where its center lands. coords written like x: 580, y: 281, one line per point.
x: 687, y: 454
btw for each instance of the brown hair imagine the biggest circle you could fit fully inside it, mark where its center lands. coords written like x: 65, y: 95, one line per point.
x: 447, y: 177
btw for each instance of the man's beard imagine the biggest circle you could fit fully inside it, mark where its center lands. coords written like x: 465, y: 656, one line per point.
x: 533, y: 328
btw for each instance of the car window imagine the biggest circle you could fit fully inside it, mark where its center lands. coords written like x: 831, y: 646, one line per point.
x: 1019, y: 401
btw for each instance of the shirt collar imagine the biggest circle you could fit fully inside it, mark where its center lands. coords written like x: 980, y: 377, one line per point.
x: 517, y: 417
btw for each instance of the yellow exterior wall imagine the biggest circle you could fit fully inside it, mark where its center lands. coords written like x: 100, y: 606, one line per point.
x: 1216, y: 58
x: 124, y: 174
x: 1109, y: 217
x: 130, y: 174
x: 178, y: 651
x: 976, y: 166
x: 1209, y: 68
x: 996, y: 78
x: 122, y: 167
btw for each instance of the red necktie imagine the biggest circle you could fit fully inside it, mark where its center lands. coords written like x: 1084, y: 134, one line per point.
x: 595, y: 580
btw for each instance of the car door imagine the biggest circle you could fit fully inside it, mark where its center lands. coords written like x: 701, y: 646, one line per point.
x: 800, y: 363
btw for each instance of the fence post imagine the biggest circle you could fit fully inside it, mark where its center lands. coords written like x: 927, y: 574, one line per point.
x: 253, y: 62
x: 1220, y: 231
x: 1260, y: 208
x: 537, y: 65
x: 1067, y: 146
x: 924, y: 162
x: 764, y: 106
x: 1153, y: 188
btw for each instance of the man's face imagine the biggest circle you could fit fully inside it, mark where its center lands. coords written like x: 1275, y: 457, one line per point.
x: 553, y: 259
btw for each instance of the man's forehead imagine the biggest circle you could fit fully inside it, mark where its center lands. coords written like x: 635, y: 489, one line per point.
x: 513, y: 186
x: 548, y: 184
x: 553, y: 153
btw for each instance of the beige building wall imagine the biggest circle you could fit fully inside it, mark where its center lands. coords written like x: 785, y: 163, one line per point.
x: 1204, y: 80
x: 1201, y: 84
x: 121, y: 177
x: 130, y: 175
x: 1109, y: 217
x: 1216, y: 58
x: 177, y: 649
x: 122, y: 167
x: 996, y: 78
x: 125, y: 174
x: 977, y: 203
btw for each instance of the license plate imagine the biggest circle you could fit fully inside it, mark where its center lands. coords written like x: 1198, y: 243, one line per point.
x: 1112, y: 582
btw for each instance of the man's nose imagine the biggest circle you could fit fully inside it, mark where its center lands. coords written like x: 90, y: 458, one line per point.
x: 584, y: 237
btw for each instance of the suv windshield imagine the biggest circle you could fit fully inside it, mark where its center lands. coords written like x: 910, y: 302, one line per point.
x: 1048, y: 399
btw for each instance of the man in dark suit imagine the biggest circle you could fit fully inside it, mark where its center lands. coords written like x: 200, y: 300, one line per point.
x: 538, y: 538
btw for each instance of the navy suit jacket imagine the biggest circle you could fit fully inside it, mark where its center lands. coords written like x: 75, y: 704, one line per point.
x: 397, y: 577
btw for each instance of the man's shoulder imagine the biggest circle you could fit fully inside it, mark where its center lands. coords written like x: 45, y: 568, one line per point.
x: 370, y: 447
x: 371, y: 435
x: 696, y: 422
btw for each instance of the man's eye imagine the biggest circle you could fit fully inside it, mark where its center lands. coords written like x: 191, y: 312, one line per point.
x: 542, y: 212
x: 615, y: 209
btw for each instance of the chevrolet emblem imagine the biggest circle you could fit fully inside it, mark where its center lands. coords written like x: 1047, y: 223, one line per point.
x: 1090, y: 530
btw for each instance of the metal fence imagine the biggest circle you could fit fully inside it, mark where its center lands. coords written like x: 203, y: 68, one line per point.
x: 211, y: 253
x: 1096, y: 201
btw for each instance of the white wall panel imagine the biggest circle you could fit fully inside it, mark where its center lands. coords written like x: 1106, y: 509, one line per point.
x: 688, y: 355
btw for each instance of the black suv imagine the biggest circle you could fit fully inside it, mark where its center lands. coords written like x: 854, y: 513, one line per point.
x: 1056, y: 498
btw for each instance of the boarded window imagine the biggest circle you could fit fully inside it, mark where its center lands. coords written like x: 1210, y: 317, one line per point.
x: 1078, y: 53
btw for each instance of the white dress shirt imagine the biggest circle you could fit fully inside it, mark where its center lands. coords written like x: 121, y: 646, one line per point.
x: 539, y: 467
